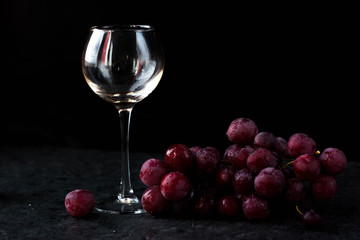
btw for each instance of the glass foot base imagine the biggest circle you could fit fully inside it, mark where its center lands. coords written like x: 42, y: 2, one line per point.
x: 118, y: 205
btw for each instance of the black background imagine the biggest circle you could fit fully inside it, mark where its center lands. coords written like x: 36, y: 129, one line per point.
x: 290, y: 68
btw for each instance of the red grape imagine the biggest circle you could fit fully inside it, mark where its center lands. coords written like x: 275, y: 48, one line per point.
x: 153, y: 201
x: 299, y: 144
x: 152, y: 172
x: 228, y: 205
x: 307, y: 167
x: 242, y: 131
x: 179, y: 157
x: 269, y: 182
x: 204, y: 204
x: 243, y: 181
x: 255, y: 208
x: 208, y: 160
x: 231, y: 152
x: 260, y: 159
x: 224, y: 176
x: 175, y: 186
x: 281, y: 147
x: 79, y: 203
x: 265, y: 140
x: 311, y: 218
x: 294, y: 190
x: 333, y: 160
x: 238, y: 155
x: 324, y: 187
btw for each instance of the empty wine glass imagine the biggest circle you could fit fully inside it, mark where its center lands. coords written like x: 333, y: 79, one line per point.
x: 123, y: 65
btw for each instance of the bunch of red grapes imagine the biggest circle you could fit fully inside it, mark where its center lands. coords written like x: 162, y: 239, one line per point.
x: 257, y: 169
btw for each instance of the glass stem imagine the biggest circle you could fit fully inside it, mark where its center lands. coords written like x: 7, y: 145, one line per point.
x: 126, y: 190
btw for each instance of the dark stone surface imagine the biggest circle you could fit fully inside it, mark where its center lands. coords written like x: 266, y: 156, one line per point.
x: 34, y: 182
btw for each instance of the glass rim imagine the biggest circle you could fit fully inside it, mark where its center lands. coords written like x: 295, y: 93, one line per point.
x: 123, y: 27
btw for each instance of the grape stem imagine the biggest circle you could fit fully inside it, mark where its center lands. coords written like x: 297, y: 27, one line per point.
x: 287, y: 164
x: 297, y: 209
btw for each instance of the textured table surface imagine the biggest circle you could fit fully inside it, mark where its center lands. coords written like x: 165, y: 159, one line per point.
x: 34, y: 182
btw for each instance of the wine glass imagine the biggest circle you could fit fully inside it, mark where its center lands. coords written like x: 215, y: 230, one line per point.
x: 123, y: 65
